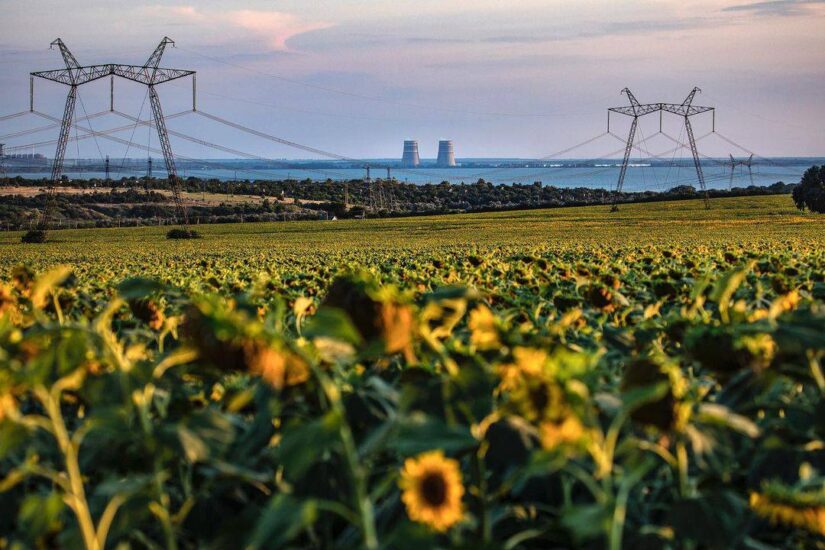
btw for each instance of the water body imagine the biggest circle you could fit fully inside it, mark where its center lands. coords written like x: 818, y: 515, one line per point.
x: 641, y: 176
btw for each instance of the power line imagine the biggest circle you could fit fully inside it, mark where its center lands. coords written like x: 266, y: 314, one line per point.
x: 13, y: 115
x: 22, y: 133
x: 376, y: 98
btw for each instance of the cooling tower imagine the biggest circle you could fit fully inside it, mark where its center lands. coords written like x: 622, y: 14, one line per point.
x: 446, y: 155
x: 410, y: 156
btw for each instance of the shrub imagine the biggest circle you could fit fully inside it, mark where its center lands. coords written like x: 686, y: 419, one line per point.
x: 180, y: 233
x: 34, y: 236
x: 810, y: 193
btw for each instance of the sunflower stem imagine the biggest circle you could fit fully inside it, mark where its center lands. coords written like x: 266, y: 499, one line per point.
x: 359, y: 478
x: 620, y: 504
x: 682, y: 460
x: 76, y: 497
x: 480, y: 472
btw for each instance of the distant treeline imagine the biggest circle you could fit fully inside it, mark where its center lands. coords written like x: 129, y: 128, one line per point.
x: 138, y: 201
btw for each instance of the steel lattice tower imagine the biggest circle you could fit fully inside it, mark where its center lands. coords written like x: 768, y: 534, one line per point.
x: 74, y: 75
x: 734, y: 163
x: 686, y: 109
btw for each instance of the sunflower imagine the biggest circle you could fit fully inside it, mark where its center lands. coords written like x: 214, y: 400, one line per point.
x: 665, y: 412
x: 566, y: 432
x: 432, y: 490
x: 768, y: 507
x: 278, y: 367
x: 528, y: 362
x: 482, y: 324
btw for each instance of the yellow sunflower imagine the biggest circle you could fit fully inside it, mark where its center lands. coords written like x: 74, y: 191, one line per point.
x: 568, y: 431
x: 483, y: 332
x: 811, y: 518
x: 432, y: 490
x: 278, y: 367
x: 528, y: 362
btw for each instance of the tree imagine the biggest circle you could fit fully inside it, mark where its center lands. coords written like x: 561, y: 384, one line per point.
x: 810, y: 193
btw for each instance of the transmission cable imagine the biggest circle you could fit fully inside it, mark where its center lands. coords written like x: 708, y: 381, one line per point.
x: 377, y: 98
x: 13, y: 115
x: 86, y: 117
x: 223, y: 148
x: 132, y: 135
x: 160, y: 152
x: 47, y: 127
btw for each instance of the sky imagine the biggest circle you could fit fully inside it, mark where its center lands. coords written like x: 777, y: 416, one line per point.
x: 500, y: 78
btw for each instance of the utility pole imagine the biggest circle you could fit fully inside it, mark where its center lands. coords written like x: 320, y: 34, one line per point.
x: 370, y: 187
x: 686, y: 109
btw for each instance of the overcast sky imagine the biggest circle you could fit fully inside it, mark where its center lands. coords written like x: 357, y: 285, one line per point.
x: 500, y: 78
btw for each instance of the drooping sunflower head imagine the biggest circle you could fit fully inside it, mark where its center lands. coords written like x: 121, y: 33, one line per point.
x: 276, y: 364
x: 379, y: 314
x: 665, y: 412
x: 780, y: 504
x: 432, y: 490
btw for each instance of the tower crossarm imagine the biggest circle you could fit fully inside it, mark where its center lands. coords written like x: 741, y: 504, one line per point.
x: 685, y: 110
x: 136, y: 73
x: 149, y: 75
x: 647, y: 108
x: 640, y: 109
x: 76, y: 76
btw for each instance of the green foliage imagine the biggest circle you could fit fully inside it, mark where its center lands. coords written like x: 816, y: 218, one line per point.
x: 810, y: 193
x: 632, y: 393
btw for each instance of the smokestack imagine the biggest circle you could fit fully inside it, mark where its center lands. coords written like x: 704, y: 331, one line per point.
x: 446, y: 155
x: 410, y: 157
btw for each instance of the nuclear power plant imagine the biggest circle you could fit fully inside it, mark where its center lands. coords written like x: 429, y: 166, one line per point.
x: 410, y: 157
x: 446, y: 155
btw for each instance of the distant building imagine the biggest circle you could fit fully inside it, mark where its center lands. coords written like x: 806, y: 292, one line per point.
x: 410, y: 157
x: 26, y: 156
x: 446, y: 154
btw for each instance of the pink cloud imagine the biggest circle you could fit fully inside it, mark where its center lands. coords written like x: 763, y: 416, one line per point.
x: 273, y: 26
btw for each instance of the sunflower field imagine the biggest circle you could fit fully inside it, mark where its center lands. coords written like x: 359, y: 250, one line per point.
x: 518, y: 388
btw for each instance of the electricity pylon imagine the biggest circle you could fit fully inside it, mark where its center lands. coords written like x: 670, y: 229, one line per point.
x: 74, y: 75
x: 734, y: 163
x: 686, y: 109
